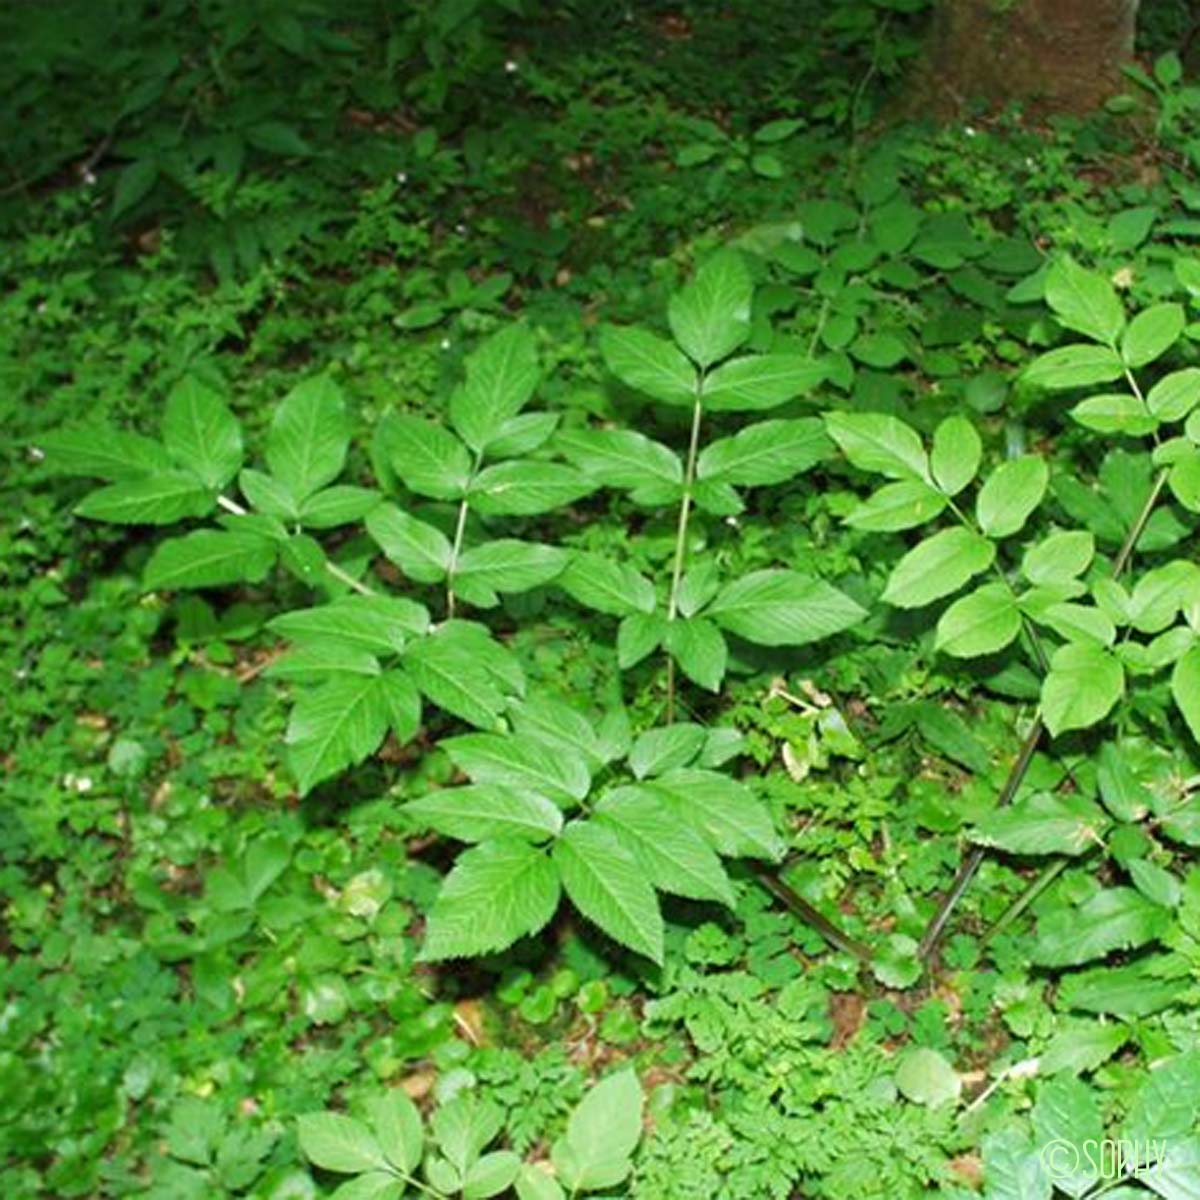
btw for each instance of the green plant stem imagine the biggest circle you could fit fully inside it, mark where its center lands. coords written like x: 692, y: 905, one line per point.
x: 1045, y: 877
x: 1016, y: 776
x: 807, y: 913
x: 460, y: 529
x: 357, y: 585
x: 685, y: 508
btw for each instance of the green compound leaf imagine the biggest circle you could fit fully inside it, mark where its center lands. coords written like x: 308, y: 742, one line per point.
x: 648, y: 364
x: 710, y: 316
x: 674, y: 856
x: 209, y: 558
x: 760, y: 382
x: 483, y: 812
x: 1010, y: 494
x: 1114, y: 919
x: 308, y: 438
x: 783, y: 608
x: 897, y: 506
x: 202, y: 434
x: 159, y: 499
x: 937, y: 567
x: 1185, y: 688
x: 1152, y: 333
x: 497, y: 892
x: 957, y: 453
x: 502, y: 375
x: 1074, y: 367
x: 1084, y: 301
x: 1085, y: 681
x: 880, y: 443
x: 983, y: 622
x: 606, y: 884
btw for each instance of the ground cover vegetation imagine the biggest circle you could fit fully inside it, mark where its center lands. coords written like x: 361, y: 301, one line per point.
x: 589, y: 612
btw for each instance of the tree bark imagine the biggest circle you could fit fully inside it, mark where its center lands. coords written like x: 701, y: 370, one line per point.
x: 1050, y: 55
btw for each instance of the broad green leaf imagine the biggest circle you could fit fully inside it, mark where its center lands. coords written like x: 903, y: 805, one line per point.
x: 1185, y: 688
x: 924, y: 1076
x: 1123, y: 793
x: 522, y: 434
x: 880, y: 443
x: 338, y: 505
x: 534, y: 1182
x: 648, y: 364
x: 335, y: 726
x: 938, y: 566
x: 1160, y: 594
x: 1174, y: 396
x: 673, y: 855
x: 1083, y: 684
x: 308, y: 437
x: 507, y: 565
x: 102, y: 452
x: 664, y: 748
x: 1077, y: 623
x: 1011, y: 492
x: 710, y: 316
x: 783, y: 608
x: 1067, y: 1114
x: 268, y: 495
x: 638, y: 635
x: 602, y: 1134
x: 1113, y: 919
x: 621, y: 458
x: 492, y: 1174
x: 380, y: 624
x: 316, y: 662
x: 882, y: 350
x: 421, y: 551
x: 1156, y: 883
x: 1074, y: 367
x: 1115, y: 412
x: 497, y: 892
x: 1084, y: 301
x: 1152, y: 333
x: 957, y: 452
x: 449, y: 673
x: 402, y: 702
x: 760, y: 381
x: 608, y: 887
x: 1170, y: 1167
x: 982, y: 622
x: 768, y: 452
x: 1059, y: 558
x: 335, y: 1142
x: 698, y: 647
x: 427, y: 458
x: 1185, y: 480
x: 482, y: 812
x: 1081, y: 1048
x: 606, y: 586
x: 731, y: 817
x: 209, y: 558
x: 1043, y: 823
x: 1166, y: 1105
x: 897, y: 506
x: 526, y: 488
x: 558, y: 724
x: 1120, y: 991
x: 502, y: 375
x: 396, y: 1124
x: 559, y: 773
x: 159, y: 499
x: 201, y: 433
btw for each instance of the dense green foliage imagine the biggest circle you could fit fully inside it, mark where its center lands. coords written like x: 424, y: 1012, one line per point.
x: 541, y: 542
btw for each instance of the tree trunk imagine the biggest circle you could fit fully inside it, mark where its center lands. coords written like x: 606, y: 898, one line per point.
x: 1050, y: 55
